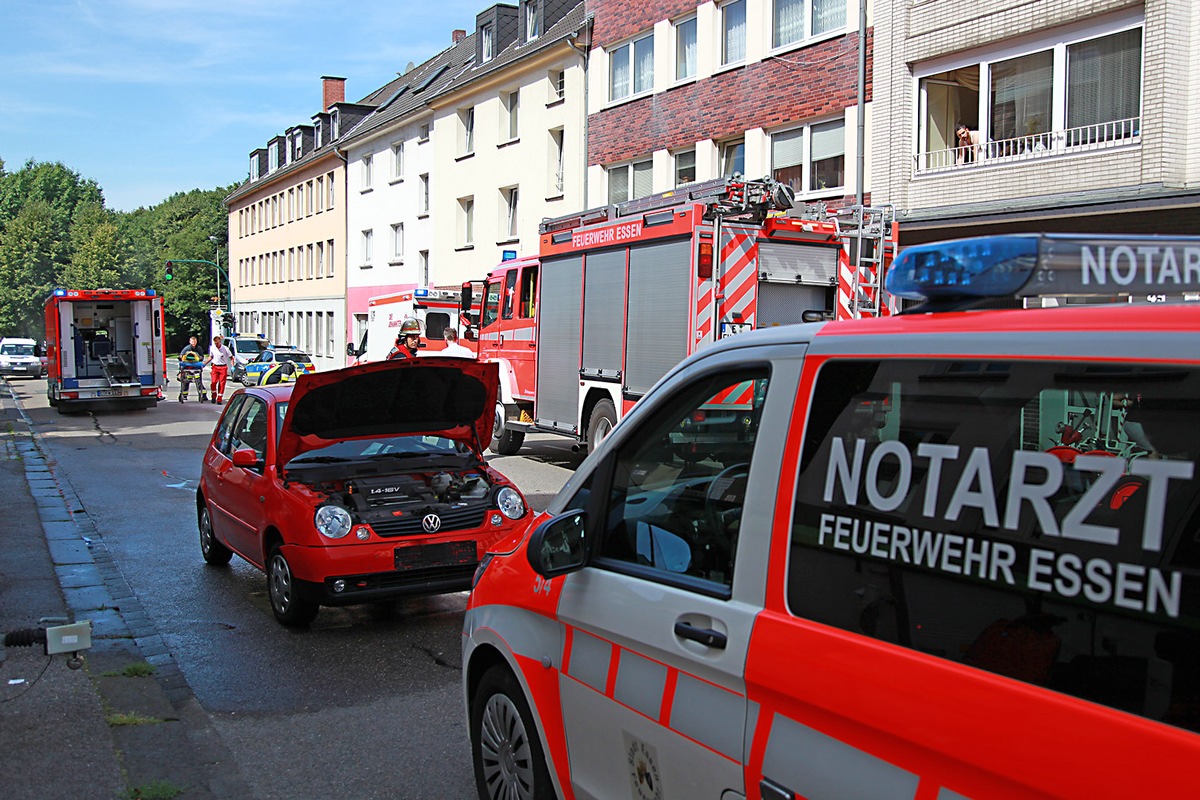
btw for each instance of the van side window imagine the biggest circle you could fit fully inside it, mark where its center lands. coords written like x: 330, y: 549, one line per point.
x: 675, y: 504
x: 529, y: 292
x: 491, y: 304
x: 436, y: 323
x: 510, y: 291
x: 1033, y: 519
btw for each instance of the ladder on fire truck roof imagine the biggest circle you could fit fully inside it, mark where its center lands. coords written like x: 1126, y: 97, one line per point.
x: 867, y: 232
x: 734, y: 195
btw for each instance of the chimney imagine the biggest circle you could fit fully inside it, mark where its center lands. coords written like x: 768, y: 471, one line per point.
x: 333, y: 90
x: 458, y: 35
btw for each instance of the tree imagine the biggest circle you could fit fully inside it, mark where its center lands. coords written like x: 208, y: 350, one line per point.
x: 30, y: 248
x: 98, y: 250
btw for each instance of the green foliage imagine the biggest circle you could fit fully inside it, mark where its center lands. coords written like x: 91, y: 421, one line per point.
x: 56, y: 232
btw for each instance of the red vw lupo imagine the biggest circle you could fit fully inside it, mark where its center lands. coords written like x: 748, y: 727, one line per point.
x: 358, y: 484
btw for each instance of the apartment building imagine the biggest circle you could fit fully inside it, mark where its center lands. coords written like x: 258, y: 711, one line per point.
x: 287, y: 234
x: 391, y: 172
x: 680, y: 91
x: 508, y: 137
x: 1082, y: 116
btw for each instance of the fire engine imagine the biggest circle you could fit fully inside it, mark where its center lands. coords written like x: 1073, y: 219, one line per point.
x: 105, y: 346
x: 435, y: 308
x: 618, y: 295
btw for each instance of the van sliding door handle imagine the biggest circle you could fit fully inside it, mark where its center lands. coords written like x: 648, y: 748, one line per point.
x: 705, y: 636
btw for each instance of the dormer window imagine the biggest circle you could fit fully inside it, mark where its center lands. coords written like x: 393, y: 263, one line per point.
x: 532, y: 26
x: 254, y: 167
x: 334, y: 121
x: 297, y: 146
x: 273, y: 158
x: 487, y: 45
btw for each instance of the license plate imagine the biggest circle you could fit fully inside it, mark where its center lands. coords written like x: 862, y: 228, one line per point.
x: 109, y: 393
x: 730, y: 328
x: 435, y: 555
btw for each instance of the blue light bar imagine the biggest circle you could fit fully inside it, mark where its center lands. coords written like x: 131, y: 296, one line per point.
x: 60, y: 292
x: 508, y: 255
x: 1047, y: 265
x: 988, y: 266
x: 421, y: 293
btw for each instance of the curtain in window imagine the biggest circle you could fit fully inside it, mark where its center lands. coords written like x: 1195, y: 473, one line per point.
x: 828, y: 155
x: 733, y: 44
x: 1104, y: 79
x: 618, y: 73
x: 618, y: 184
x: 787, y: 158
x: 828, y: 15
x: 789, y: 21
x: 643, y: 175
x: 685, y: 49
x: 643, y: 66
x: 1022, y: 92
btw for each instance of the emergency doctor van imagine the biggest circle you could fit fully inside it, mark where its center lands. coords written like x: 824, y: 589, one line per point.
x: 950, y: 553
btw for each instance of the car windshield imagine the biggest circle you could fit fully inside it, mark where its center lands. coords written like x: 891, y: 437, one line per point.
x: 250, y: 346
x: 299, y: 358
x: 16, y: 349
x: 382, y: 448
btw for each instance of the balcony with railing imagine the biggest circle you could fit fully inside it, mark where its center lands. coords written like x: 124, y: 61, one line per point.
x: 999, y: 152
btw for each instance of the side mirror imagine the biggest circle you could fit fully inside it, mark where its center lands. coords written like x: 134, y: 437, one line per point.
x: 559, y: 545
x: 245, y: 457
x: 350, y: 351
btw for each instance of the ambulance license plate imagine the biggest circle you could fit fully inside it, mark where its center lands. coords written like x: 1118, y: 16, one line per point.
x: 108, y: 393
x: 444, y: 554
x: 730, y: 328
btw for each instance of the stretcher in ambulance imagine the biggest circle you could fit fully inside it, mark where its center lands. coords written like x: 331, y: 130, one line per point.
x: 949, y: 553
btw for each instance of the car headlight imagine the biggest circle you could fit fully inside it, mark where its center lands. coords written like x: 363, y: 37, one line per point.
x: 510, y: 503
x: 332, y: 521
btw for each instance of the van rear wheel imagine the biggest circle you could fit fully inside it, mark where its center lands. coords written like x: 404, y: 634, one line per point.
x: 505, y: 440
x: 604, y: 417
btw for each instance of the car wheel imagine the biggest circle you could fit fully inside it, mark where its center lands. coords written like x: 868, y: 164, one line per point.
x: 290, y: 606
x: 213, y: 551
x: 505, y: 440
x: 505, y: 749
x: 246, y: 380
x: 604, y: 417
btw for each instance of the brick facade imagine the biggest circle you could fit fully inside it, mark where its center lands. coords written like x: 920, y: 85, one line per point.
x: 618, y: 19
x: 816, y: 81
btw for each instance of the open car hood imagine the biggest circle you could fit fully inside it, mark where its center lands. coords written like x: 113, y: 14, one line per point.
x: 451, y: 397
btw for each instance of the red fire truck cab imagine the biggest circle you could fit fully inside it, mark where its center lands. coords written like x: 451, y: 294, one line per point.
x: 618, y: 295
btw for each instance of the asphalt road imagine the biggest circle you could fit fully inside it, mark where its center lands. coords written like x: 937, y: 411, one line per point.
x: 366, y: 703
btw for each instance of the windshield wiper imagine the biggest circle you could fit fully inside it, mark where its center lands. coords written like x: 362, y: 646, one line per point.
x: 383, y: 456
x: 319, y: 460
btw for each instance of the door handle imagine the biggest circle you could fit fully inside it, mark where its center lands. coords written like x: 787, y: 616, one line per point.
x: 705, y: 636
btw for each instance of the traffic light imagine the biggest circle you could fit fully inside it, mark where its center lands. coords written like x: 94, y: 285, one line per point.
x: 170, y: 269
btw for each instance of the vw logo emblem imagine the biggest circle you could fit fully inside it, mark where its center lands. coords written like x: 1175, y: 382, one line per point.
x: 431, y: 523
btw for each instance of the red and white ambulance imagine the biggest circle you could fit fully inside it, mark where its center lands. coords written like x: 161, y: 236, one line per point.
x: 618, y: 295
x: 435, y: 309
x: 944, y: 554
x: 106, y: 348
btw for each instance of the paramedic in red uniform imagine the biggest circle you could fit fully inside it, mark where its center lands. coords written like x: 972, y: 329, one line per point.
x: 220, y: 357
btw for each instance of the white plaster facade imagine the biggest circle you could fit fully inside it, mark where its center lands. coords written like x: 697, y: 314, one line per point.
x: 478, y: 182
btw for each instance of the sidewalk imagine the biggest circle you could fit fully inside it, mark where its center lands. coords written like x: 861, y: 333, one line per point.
x: 108, y: 730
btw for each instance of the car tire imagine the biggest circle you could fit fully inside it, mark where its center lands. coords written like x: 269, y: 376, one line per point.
x: 604, y: 417
x: 246, y: 380
x: 291, y: 607
x: 505, y: 440
x: 213, y: 551
x: 506, y: 752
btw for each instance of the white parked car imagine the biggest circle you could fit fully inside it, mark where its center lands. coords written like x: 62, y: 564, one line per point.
x: 19, y: 357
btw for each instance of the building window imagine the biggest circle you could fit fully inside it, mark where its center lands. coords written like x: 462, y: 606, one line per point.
x: 254, y: 167
x: 812, y: 158
x: 558, y: 84
x: 297, y: 146
x: 790, y: 18
x: 398, y: 160
x: 733, y: 158
x: 533, y: 27
x: 272, y: 159
x: 685, y: 49
x: 466, y: 131
x: 329, y: 185
x: 320, y: 194
x: 557, y: 171
x: 733, y: 32
x: 424, y: 199
x: 631, y: 68
x: 423, y: 266
x: 685, y: 167
x: 368, y: 244
x: 310, y: 261
x: 320, y: 259
x: 398, y: 242
x: 368, y: 169
x: 487, y: 47
x: 1066, y: 97
x: 630, y: 181
x: 512, y: 112
x: 509, y: 223
x: 329, y: 258
x: 466, y: 221
x: 423, y: 133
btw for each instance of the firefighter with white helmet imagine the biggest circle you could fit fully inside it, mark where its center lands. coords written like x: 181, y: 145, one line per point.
x: 408, y: 340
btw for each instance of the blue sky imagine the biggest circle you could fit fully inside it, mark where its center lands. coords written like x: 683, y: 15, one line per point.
x: 153, y: 97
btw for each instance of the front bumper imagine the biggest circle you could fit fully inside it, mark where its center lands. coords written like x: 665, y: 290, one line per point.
x: 29, y: 370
